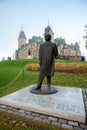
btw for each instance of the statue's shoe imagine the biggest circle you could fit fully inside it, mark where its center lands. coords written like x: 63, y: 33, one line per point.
x: 37, y: 88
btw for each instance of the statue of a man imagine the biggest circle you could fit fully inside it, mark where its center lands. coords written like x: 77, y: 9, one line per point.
x: 47, y: 54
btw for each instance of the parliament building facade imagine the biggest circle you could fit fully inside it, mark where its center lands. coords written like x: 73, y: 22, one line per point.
x: 30, y: 50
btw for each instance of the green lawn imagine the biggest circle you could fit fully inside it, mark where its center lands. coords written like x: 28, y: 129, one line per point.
x: 9, y: 70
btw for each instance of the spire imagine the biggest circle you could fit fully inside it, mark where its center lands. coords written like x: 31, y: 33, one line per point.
x: 22, y: 35
x: 21, y: 38
x: 48, y: 22
x: 48, y: 30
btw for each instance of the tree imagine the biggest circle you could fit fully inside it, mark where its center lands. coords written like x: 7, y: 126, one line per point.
x: 85, y: 36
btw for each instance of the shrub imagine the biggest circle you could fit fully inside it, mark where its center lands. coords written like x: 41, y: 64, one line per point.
x: 76, y: 68
x: 32, y: 67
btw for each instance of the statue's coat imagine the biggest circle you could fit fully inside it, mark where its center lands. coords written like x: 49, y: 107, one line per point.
x: 47, y: 54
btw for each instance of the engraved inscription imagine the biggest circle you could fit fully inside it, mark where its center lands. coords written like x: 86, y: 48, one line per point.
x: 49, y: 103
x: 41, y: 102
x: 70, y: 108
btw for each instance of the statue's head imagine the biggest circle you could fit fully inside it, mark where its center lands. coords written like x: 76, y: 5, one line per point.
x: 47, y: 37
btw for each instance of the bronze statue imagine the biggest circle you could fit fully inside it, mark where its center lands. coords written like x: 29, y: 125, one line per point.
x: 47, y: 54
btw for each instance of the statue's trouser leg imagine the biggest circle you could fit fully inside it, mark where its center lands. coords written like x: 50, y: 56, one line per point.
x: 40, y: 80
x: 48, y: 81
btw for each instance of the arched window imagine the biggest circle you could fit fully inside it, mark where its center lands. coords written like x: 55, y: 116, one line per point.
x: 29, y: 53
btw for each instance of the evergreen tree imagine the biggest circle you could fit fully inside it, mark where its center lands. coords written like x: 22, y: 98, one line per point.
x: 85, y: 36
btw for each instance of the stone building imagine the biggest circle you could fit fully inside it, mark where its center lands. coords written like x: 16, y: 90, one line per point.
x: 69, y: 51
x: 30, y: 50
x: 26, y: 50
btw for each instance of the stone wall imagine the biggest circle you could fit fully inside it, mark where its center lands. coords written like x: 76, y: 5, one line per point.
x: 29, y: 51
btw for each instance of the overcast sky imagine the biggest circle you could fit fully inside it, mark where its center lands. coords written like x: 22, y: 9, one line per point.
x: 67, y: 19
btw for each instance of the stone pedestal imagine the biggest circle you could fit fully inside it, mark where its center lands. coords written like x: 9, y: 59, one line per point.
x: 66, y: 103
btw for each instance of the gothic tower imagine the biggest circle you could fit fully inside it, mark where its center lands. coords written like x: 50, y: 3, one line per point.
x: 48, y: 30
x: 21, y: 39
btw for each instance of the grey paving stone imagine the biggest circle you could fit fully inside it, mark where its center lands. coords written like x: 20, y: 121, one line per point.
x: 15, y: 109
x: 21, y: 111
x: 10, y: 111
x: 62, y: 121
x: 44, y: 116
x: 56, y: 123
x: 30, y: 116
x: 76, y: 128
x: 46, y: 121
x: 83, y: 126
x: 86, y: 90
x: 28, y: 112
x: 21, y: 114
x: 52, y: 118
x: 83, y: 90
x: 86, y: 103
x: 3, y: 109
x: 73, y: 123
x: 37, y: 118
x: 16, y: 112
x: 67, y: 126
x: 9, y: 108
x: 85, y: 98
x: 3, y: 106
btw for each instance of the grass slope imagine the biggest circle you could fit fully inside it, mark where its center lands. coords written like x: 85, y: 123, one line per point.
x: 10, y: 69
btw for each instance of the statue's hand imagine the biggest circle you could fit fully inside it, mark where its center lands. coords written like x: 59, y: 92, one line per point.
x: 39, y: 63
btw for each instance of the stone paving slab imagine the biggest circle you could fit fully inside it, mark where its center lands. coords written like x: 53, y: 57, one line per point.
x: 67, y: 103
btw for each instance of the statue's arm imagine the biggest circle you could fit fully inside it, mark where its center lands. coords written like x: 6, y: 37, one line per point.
x: 55, y: 51
x: 40, y: 55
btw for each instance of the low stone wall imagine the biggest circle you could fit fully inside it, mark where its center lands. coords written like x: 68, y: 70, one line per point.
x: 69, y: 124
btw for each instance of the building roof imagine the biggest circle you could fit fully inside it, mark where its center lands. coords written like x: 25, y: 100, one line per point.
x: 22, y: 35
